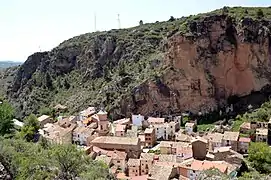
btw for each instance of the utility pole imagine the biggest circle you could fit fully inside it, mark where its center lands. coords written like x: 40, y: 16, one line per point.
x: 119, y: 20
x: 95, y: 28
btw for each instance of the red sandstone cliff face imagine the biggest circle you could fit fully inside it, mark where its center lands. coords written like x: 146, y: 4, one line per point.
x: 218, y: 60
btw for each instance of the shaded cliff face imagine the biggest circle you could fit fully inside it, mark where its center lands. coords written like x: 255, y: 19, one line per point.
x: 217, y: 60
x: 163, y: 67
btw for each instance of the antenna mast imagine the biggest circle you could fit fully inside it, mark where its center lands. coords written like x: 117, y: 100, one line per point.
x: 95, y: 27
x: 119, y: 20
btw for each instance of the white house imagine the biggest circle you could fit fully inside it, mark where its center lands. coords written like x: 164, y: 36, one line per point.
x: 165, y: 131
x: 137, y: 120
x: 81, y: 135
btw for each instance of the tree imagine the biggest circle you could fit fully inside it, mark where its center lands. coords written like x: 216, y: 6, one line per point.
x: 171, y: 18
x: 30, y: 128
x: 260, y: 157
x: 225, y: 10
x: 140, y: 23
x: 260, y: 13
x: 6, y: 118
x: 26, y: 160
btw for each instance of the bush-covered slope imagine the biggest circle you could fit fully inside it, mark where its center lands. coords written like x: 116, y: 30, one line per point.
x: 140, y: 69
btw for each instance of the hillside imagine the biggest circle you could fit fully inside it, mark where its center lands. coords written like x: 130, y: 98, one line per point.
x: 193, y: 63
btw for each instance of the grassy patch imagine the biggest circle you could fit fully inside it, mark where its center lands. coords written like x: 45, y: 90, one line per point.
x: 204, y: 127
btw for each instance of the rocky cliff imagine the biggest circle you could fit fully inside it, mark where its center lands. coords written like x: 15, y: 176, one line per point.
x: 193, y: 63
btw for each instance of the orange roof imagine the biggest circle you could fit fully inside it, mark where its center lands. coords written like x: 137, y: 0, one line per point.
x: 116, y: 154
x: 205, y: 165
x: 122, y: 176
x: 243, y: 139
x: 186, y: 152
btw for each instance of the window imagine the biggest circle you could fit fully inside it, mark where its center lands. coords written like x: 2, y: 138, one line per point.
x: 136, y: 170
x: 101, y: 127
x: 118, y: 161
x: 143, y: 171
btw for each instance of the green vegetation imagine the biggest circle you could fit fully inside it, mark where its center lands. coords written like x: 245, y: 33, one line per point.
x: 6, y: 117
x: 260, y: 157
x: 30, y: 128
x: 204, y: 127
x: 24, y: 160
x: 261, y: 114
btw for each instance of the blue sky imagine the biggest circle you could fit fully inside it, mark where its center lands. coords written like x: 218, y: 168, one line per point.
x: 26, y: 25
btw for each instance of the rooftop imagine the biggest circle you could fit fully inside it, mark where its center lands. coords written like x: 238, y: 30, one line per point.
x: 183, y: 137
x: 60, y: 107
x: 147, y: 156
x: 133, y: 162
x: 231, y: 136
x: 245, y: 125
x: 153, y: 120
x: 167, y: 158
x: 122, y: 121
x: 101, y: 112
x: 262, y: 131
x: 160, y: 172
x: 188, y: 124
x: 89, y: 111
x: 120, y: 127
x: 43, y: 117
x: 173, y: 144
x: 222, y: 149
x: 116, y: 140
x: 205, y: 165
x: 116, y: 154
x: 215, y: 137
x: 199, y: 139
x: 107, y: 160
x: 148, y: 130
x: 244, y: 139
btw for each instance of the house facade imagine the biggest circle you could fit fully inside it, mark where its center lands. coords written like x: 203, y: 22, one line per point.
x: 150, y: 138
x: 133, y: 167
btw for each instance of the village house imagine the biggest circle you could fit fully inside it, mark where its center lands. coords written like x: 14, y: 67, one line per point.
x: 231, y: 139
x: 103, y: 123
x: 81, y: 135
x: 137, y: 120
x: 125, y: 121
x: 165, y: 131
x: 199, y: 147
x: 261, y: 135
x: 86, y: 113
x: 154, y: 120
x: 118, y: 159
x: 181, y: 137
x: 120, y: 130
x: 150, y: 138
x: 215, y: 140
x: 190, y: 128
x: 243, y: 144
x: 57, y: 134
x: 60, y: 107
x: 170, y: 147
x: 129, y: 145
x: 146, y: 162
x: 44, y: 119
x: 133, y: 167
x: 158, y: 172
x: 245, y: 128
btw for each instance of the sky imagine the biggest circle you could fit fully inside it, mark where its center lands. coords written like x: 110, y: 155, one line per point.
x: 28, y: 26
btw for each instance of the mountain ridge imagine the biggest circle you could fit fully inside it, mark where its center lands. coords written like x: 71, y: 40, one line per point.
x: 163, y: 67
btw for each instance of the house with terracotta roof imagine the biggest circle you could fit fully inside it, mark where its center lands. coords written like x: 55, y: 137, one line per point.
x: 215, y: 140
x: 133, y: 167
x: 261, y: 135
x: 243, y: 144
x: 146, y: 162
x: 118, y: 158
x: 160, y: 172
x: 231, y: 139
x: 124, y: 121
x: 182, y: 137
x: 129, y: 145
x: 150, y: 138
x: 170, y: 147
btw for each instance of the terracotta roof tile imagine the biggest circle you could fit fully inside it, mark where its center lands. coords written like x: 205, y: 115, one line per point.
x: 153, y: 120
x: 243, y: 139
x: 147, y: 156
x: 231, y: 136
x: 116, y: 140
x: 133, y: 162
x: 120, y: 127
